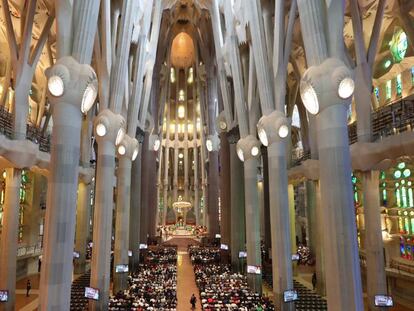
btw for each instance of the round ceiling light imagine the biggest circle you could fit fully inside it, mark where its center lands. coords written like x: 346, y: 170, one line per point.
x: 121, y: 149
x: 346, y: 88
x: 309, y: 98
x: 55, y: 86
x: 263, y: 137
x: 283, y: 131
x: 120, y: 136
x: 88, y: 98
x: 101, y: 130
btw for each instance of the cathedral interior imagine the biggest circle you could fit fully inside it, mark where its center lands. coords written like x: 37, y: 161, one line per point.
x: 207, y: 155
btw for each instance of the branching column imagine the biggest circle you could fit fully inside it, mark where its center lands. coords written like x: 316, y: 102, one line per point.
x: 135, y: 209
x: 326, y: 71
x: 57, y: 266
x: 127, y: 152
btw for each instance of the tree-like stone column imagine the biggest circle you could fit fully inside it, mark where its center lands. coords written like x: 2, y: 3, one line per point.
x: 238, y: 223
x: 326, y: 88
x: 68, y: 81
x: 109, y: 131
x: 127, y: 152
x: 248, y: 149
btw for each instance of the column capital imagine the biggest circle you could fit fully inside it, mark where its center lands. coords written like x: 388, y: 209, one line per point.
x: 109, y: 126
x: 72, y: 82
x: 128, y: 148
x: 248, y: 148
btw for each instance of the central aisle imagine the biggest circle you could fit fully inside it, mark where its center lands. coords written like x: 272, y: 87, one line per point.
x: 186, y: 285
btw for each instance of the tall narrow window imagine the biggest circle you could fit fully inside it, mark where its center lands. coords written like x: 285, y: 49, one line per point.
x: 388, y: 90
x: 377, y: 93
x: 398, y: 85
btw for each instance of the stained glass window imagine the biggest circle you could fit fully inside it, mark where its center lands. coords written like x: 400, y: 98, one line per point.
x: 398, y: 85
x: 398, y: 45
x: 388, y: 90
x: 377, y: 93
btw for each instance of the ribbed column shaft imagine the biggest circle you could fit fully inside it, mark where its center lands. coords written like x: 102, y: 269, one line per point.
x: 311, y: 20
x: 238, y: 222
x: 123, y: 201
x: 122, y: 56
x: 260, y: 57
x: 225, y: 199
x: 102, y: 223
x: 376, y: 277
x: 83, y: 212
x: 85, y: 25
x: 57, y: 266
x: 135, y: 210
x: 280, y: 224
x: 252, y: 215
x: 145, y: 188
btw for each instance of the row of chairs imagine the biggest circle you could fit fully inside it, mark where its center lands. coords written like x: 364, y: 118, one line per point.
x: 307, y: 299
x: 78, y: 302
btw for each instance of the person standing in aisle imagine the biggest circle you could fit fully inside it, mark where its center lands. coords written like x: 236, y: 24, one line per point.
x: 28, y: 288
x: 193, y: 301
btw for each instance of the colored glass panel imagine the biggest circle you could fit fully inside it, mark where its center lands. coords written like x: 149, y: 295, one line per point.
x: 388, y: 90
x: 398, y: 45
x: 400, y: 225
x: 398, y: 196
x: 410, y: 197
x: 398, y: 85
x: 402, y: 250
x: 406, y: 225
x: 404, y: 197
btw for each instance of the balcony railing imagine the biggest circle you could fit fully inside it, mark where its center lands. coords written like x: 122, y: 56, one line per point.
x: 32, y: 133
x: 29, y: 250
x: 386, y: 121
x: 298, y: 156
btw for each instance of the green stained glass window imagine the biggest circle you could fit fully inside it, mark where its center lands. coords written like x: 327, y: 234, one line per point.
x: 407, y: 173
x: 404, y: 197
x: 384, y: 194
x: 382, y: 175
x: 410, y: 197
x: 398, y: 85
x: 406, y: 225
x: 398, y: 197
x: 388, y: 90
x: 397, y: 174
x: 401, y: 165
x: 399, y: 45
x: 400, y: 224
x: 356, y: 197
x: 412, y: 225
